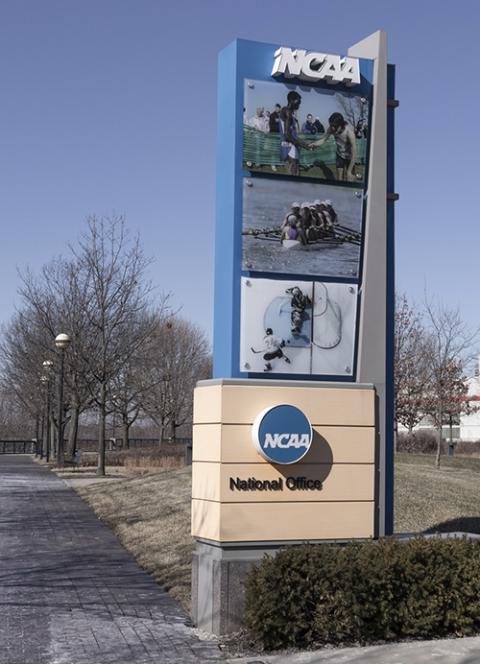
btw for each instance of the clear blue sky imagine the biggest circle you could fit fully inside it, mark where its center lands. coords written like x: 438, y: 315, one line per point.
x: 93, y: 119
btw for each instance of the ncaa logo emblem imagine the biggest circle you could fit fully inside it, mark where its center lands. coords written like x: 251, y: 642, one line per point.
x: 282, y: 434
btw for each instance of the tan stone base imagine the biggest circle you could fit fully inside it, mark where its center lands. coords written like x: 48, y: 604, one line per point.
x: 341, y: 461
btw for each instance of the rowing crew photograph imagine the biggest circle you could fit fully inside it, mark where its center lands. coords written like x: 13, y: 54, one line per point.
x: 297, y: 327
x: 301, y: 228
x: 311, y: 132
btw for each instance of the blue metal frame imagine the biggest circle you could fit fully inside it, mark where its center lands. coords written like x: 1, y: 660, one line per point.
x: 242, y: 60
x: 390, y: 309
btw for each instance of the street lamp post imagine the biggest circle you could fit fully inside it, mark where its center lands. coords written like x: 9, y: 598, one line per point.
x: 62, y: 341
x: 47, y: 367
x: 42, y: 447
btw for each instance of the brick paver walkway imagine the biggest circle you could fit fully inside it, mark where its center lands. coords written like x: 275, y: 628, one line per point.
x: 69, y: 592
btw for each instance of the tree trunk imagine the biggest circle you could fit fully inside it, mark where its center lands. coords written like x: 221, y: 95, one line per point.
x: 125, y: 433
x: 101, y: 430
x: 37, y: 434
x: 46, y: 440
x: 73, y: 431
x: 53, y: 438
x: 439, y: 438
x: 161, y: 433
x: 173, y: 431
x: 41, y: 441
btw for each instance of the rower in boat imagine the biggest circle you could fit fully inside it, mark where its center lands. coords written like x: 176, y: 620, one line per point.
x: 331, y: 211
x: 290, y: 231
x: 307, y: 223
x: 295, y: 211
x: 327, y: 215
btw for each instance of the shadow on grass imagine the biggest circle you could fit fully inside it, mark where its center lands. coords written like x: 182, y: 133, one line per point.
x: 464, y: 524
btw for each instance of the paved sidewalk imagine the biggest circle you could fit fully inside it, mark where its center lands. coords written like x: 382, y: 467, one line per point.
x: 69, y: 592
x: 444, y: 651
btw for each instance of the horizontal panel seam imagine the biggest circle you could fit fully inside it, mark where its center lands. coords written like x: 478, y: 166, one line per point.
x: 282, y: 502
x: 314, y: 424
x: 296, y: 465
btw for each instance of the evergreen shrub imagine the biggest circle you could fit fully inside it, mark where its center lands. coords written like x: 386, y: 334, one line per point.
x: 360, y: 593
x: 420, y: 442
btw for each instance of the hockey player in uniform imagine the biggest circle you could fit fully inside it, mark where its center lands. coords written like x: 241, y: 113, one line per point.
x: 273, y: 346
x: 299, y: 304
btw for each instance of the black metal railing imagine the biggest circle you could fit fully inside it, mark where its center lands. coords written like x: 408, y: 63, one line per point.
x: 17, y: 446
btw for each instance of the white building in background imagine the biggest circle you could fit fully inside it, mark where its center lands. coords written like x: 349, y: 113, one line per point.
x: 470, y: 424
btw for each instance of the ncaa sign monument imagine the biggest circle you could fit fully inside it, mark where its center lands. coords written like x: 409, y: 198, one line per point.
x: 293, y: 436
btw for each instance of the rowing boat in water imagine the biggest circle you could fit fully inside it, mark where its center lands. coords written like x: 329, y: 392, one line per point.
x: 336, y: 237
x: 313, y: 245
x: 275, y: 235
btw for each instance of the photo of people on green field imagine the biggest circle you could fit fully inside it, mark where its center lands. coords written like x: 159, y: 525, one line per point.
x: 302, y: 131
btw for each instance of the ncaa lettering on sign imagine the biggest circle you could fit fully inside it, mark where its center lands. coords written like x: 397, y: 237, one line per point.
x: 312, y: 66
x: 286, y: 440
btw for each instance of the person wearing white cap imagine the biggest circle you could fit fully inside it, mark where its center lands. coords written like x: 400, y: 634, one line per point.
x: 324, y: 220
x: 317, y: 219
x: 307, y: 221
x: 290, y: 232
x: 295, y: 211
x: 331, y: 210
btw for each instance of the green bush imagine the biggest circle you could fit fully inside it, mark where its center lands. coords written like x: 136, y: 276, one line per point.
x: 384, y: 590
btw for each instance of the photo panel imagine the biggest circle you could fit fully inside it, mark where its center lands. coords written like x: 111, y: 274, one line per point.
x: 304, y: 131
x: 297, y: 327
x: 275, y: 326
x: 333, y: 328
x: 302, y: 228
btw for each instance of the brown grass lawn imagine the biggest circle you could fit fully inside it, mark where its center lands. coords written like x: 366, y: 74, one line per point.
x: 151, y: 513
x: 444, y: 500
x: 151, y: 516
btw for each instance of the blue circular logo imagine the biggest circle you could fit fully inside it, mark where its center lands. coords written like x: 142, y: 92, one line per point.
x: 282, y: 434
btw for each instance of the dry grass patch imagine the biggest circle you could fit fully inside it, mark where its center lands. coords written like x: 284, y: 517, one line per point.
x: 151, y: 517
x: 151, y: 513
x: 431, y: 499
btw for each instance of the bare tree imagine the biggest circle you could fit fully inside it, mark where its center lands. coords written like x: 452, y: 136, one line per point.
x: 412, y: 368
x: 450, y: 347
x: 112, y: 269
x: 58, y: 298
x: 131, y: 386
x: 22, y: 343
x: 123, y: 357
x: 16, y: 421
x: 180, y: 356
x: 353, y: 108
